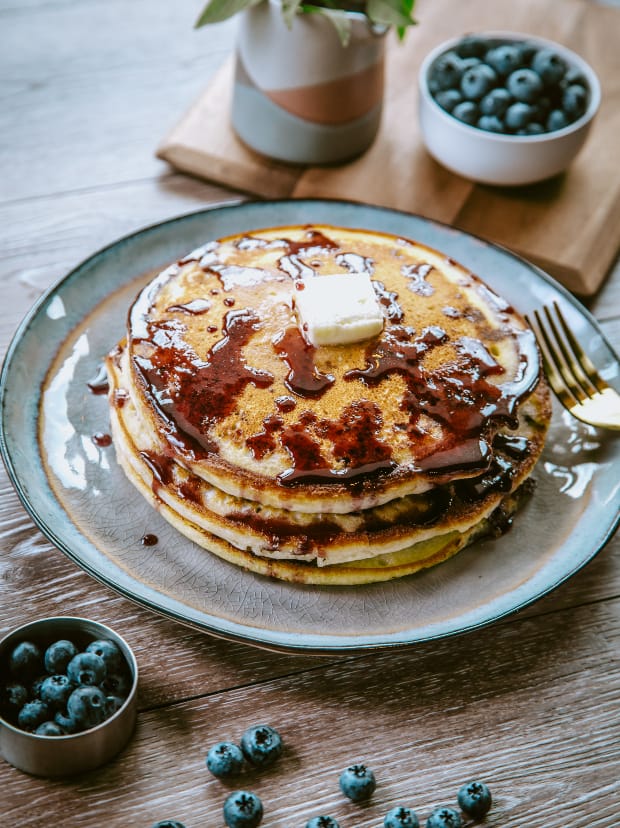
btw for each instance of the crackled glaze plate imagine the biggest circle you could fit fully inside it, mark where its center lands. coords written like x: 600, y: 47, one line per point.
x: 70, y: 483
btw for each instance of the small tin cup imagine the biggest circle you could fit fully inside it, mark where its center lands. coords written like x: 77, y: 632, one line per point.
x: 79, y: 752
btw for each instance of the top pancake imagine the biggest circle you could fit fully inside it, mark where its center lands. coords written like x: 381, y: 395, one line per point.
x: 221, y: 370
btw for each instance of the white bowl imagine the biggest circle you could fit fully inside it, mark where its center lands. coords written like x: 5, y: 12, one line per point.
x: 495, y: 158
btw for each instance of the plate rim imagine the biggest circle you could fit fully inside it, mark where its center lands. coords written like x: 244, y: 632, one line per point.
x: 236, y: 630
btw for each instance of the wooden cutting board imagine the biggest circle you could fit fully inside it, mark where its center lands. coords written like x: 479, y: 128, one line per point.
x: 570, y: 225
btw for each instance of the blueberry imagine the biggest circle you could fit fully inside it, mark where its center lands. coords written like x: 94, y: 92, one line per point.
x: 477, y: 81
x: 471, y: 46
x: 495, y: 102
x: 524, y: 85
x: 112, y: 704
x: 168, y: 823
x: 574, y: 76
x: 401, y: 818
x: 448, y: 99
x: 116, y: 684
x: 224, y: 759
x: 444, y: 818
x: 518, y: 115
x: 504, y: 59
x: 467, y: 111
x: 357, y: 782
x: 68, y: 724
x: 58, y: 655
x: 549, y: 65
x: 25, y: 661
x: 527, y: 50
x: 533, y: 128
x: 261, y: 745
x: 109, y: 652
x: 490, y: 123
x: 467, y: 63
x: 86, y: 668
x: 32, y: 714
x: 14, y: 697
x: 87, y: 705
x: 445, y: 72
x: 574, y: 101
x: 322, y: 822
x: 55, y: 691
x: 557, y: 120
x: 49, y: 729
x: 243, y: 809
x: 474, y: 799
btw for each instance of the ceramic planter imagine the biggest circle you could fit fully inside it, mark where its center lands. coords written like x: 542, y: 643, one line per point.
x: 299, y: 94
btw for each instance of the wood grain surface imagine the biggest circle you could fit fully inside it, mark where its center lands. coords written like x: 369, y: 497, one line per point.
x: 530, y: 704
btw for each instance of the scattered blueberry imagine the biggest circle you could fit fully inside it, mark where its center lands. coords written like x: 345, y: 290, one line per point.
x: 224, y: 759
x: 444, y: 818
x: 549, y: 66
x: 261, y: 745
x: 401, y: 818
x: 477, y: 81
x: 109, y: 652
x: 243, y: 809
x: 25, y: 661
x: 322, y: 822
x: 168, y: 823
x: 504, y: 59
x: 49, y: 728
x: 357, y: 782
x: 467, y: 111
x: 32, y: 714
x: 86, y: 669
x: 58, y: 655
x: 475, y: 799
x: 55, y: 691
x: 87, y: 705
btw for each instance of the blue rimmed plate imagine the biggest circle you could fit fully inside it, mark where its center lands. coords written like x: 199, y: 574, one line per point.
x: 77, y: 495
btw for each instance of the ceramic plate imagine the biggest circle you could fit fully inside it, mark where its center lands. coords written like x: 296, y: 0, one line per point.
x: 80, y: 499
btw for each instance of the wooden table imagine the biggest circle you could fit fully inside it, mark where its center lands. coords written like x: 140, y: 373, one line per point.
x: 531, y: 705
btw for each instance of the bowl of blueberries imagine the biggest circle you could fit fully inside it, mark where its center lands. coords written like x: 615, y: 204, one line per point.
x: 505, y: 108
x: 68, y: 696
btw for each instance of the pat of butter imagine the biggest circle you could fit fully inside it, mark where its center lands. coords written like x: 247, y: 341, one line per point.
x: 338, y: 309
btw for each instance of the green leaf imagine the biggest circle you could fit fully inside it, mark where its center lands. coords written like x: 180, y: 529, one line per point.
x: 339, y: 19
x: 289, y: 10
x: 391, y: 12
x: 217, y: 10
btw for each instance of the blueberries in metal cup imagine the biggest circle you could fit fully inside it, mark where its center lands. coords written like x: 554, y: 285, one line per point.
x: 357, y: 782
x: 475, y: 799
x: 261, y: 745
x: 58, y: 655
x: 14, y: 696
x: 49, y: 728
x: 168, y: 823
x: 68, y: 724
x: 444, y: 818
x: 224, y: 759
x: 86, y: 669
x: 401, y: 817
x: 243, y: 809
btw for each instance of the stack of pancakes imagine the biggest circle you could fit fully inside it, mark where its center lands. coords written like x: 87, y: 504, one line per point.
x: 338, y: 464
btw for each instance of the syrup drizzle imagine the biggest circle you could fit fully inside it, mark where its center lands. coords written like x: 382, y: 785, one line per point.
x: 194, y: 308
x: 99, y: 383
x: 304, y: 378
x: 417, y: 275
x: 388, y: 299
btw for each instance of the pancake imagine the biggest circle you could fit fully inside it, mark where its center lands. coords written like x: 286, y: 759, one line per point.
x: 365, y: 460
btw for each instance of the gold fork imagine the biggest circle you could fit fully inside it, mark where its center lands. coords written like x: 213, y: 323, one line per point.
x: 571, y: 374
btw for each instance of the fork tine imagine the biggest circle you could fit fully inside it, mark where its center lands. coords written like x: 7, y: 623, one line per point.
x: 582, y: 358
x: 560, y: 377
x: 570, y: 360
x: 567, y: 393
